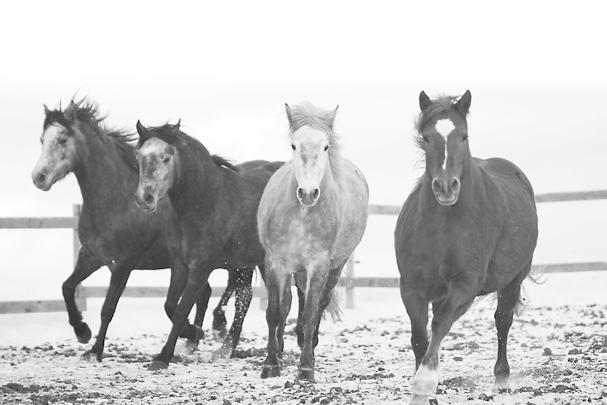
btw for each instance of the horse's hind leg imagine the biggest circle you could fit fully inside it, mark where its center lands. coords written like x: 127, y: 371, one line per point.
x: 120, y: 276
x: 219, y: 313
x: 327, y: 297
x: 86, y: 265
x: 244, y: 294
x: 507, y: 299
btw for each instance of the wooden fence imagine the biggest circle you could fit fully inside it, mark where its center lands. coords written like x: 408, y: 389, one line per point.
x: 349, y: 282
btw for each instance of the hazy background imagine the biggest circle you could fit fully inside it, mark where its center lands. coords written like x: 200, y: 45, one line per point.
x: 536, y: 70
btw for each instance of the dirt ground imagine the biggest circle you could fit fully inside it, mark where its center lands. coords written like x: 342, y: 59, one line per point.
x: 558, y: 355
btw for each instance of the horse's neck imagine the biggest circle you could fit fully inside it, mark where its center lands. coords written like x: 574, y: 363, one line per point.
x: 198, y: 189
x: 104, y: 179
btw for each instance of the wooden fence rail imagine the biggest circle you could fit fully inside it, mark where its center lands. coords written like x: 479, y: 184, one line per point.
x: 349, y: 281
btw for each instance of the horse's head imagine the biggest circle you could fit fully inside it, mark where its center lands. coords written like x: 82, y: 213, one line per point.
x: 157, y: 167
x: 58, y: 156
x: 311, y: 134
x: 443, y: 135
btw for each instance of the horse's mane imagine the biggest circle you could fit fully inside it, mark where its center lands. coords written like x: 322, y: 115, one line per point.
x: 86, y: 111
x: 440, y: 106
x: 307, y: 114
x: 174, y: 136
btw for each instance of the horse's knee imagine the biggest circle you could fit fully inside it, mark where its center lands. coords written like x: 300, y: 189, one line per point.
x: 67, y: 288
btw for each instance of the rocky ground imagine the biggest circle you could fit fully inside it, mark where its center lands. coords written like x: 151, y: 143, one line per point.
x: 558, y: 355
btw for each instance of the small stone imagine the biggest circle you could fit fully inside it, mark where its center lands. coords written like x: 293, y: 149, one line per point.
x: 547, y: 351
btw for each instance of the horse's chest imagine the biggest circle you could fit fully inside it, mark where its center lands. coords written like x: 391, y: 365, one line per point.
x: 304, y: 237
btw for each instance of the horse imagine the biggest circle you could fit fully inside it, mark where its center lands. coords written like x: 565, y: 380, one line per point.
x: 215, y: 206
x: 469, y: 228
x: 311, y: 217
x: 112, y: 231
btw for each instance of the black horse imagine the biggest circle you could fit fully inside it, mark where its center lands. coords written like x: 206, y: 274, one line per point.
x: 215, y: 206
x: 469, y: 228
x: 112, y: 230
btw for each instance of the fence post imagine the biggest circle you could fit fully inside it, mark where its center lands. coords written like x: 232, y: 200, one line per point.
x: 349, y: 282
x: 76, y: 208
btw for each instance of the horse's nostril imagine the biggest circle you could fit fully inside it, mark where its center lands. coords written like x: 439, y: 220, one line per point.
x: 315, y: 193
x: 148, y: 198
x: 40, y: 178
x: 436, y: 185
x: 455, y: 184
x: 300, y: 193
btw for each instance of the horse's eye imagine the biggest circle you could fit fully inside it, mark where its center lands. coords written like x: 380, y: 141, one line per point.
x: 62, y: 141
x: 425, y: 139
x: 465, y: 137
x: 166, y: 159
x: 326, y: 148
x: 292, y: 146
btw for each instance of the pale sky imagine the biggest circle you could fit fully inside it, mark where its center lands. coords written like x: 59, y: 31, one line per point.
x: 537, y: 72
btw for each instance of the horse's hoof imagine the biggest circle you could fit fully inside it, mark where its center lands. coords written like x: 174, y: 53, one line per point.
x: 270, y: 371
x: 419, y: 400
x: 90, y: 355
x: 191, y: 345
x: 306, y: 375
x: 158, y: 365
x: 220, y: 334
x: 83, y: 332
x: 502, y: 386
x: 223, y: 353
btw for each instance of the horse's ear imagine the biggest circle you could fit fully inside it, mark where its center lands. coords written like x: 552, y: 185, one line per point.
x: 46, y: 110
x: 288, y: 111
x: 141, y: 130
x: 463, y: 104
x: 178, y: 125
x: 331, y: 117
x: 424, y: 100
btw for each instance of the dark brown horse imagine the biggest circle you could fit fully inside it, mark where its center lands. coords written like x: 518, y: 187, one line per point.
x: 469, y: 228
x: 215, y: 206
x: 112, y: 230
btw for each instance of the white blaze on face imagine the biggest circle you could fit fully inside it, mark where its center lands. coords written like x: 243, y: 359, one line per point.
x: 444, y: 127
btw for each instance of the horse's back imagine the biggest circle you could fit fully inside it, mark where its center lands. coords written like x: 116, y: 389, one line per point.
x: 507, y: 174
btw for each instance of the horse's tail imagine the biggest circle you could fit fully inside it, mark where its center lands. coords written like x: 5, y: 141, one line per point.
x: 535, y: 276
x: 333, y: 308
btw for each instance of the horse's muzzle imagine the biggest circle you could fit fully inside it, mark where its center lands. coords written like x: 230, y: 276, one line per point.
x: 146, y: 201
x: 308, y: 198
x: 40, y: 180
x: 446, y: 190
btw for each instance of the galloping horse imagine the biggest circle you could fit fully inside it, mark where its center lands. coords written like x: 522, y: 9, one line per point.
x: 215, y: 206
x: 113, y: 232
x: 311, y: 217
x: 469, y: 228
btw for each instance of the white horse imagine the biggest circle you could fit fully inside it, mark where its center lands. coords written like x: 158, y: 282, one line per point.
x: 311, y: 217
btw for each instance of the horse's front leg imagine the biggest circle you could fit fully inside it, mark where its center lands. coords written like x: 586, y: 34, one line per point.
x: 120, y: 275
x: 317, y: 277
x: 197, y: 280
x: 276, y: 281
x: 86, y: 265
x: 244, y: 295
x: 459, y: 298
